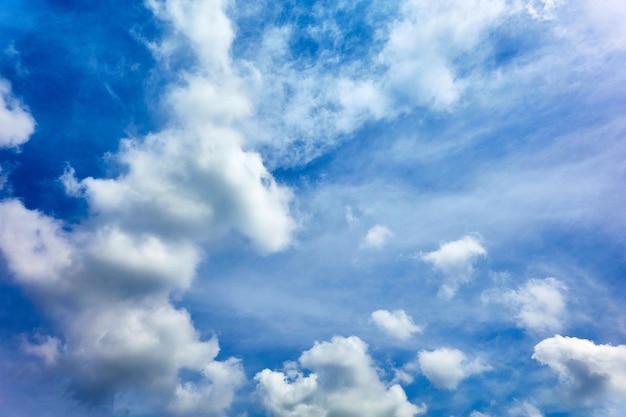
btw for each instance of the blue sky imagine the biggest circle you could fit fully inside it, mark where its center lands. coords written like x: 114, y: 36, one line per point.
x: 304, y: 209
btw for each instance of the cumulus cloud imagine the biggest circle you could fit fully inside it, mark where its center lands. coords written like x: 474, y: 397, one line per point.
x: 455, y: 260
x: 107, y: 283
x: 343, y: 382
x: 446, y: 368
x: 396, y: 323
x: 16, y: 122
x: 588, y: 371
x: 538, y: 306
x: 376, y: 237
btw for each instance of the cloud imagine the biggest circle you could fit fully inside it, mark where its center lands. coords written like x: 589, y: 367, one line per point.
x: 525, y: 409
x: 446, y: 368
x: 455, y: 260
x: 16, y: 122
x: 376, y: 237
x: 538, y: 306
x: 107, y: 282
x: 343, y: 383
x: 397, y: 324
x: 588, y: 371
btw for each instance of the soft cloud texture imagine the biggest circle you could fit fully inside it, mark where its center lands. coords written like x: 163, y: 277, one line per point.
x: 538, y: 306
x: 455, y: 260
x: 343, y: 383
x: 525, y: 409
x: 16, y: 122
x: 376, y: 237
x: 107, y: 282
x: 446, y: 368
x: 588, y: 371
x: 396, y: 323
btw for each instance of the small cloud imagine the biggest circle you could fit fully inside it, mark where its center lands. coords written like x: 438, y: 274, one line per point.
x: 16, y: 123
x: 586, y: 370
x: 525, y: 409
x: 446, y: 368
x: 376, y: 237
x: 397, y: 324
x: 455, y: 260
x: 538, y: 306
x: 47, y: 350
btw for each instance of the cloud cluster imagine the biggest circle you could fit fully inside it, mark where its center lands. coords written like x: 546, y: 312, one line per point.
x: 107, y: 282
x: 455, y: 260
x: 446, y: 368
x: 376, y: 237
x: 588, y: 371
x: 396, y: 323
x: 16, y: 122
x: 343, y: 382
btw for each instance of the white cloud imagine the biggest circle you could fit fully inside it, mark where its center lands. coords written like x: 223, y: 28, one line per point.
x: 376, y: 237
x: 343, y: 382
x: 397, y: 324
x: 455, y: 260
x: 525, y: 409
x: 538, y: 306
x: 107, y: 283
x: 446, y: 368
x: 478, y: 414
x: 588, y: 371
x: 16, y: 123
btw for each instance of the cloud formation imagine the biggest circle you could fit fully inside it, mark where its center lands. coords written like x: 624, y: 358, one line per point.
x: 376, y: 237
x: 446, y: 368
x: 16, y: 122
x: 538, y: 306
x: 343, y: 382
x: 588, y: 371
x: 396, y: 323
x: 107, y: 282
x: 455, y: 260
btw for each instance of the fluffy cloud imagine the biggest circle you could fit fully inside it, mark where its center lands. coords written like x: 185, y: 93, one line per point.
x: 455, y: 260
x: 397, y: 324
x: 538, y: 306
x: 343, y: 383
x: 107, y: 283
x: 376, y: 237
x: 16, y: 123
x: 446, y: 368
x: 588, y: 371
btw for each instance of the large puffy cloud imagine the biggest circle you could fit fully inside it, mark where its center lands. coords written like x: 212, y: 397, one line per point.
x: 455, y: 260
x: 343, y: 383
x: 446, y: 368
x: 588, y: 371
x: 397, y: 323
x: 107, y: 282
x: 16, y: 122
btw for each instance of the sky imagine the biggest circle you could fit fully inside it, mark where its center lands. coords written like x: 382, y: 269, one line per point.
x: 305, y: 208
